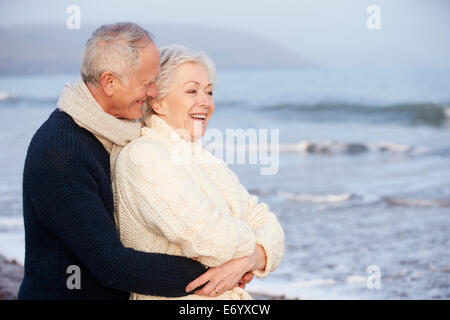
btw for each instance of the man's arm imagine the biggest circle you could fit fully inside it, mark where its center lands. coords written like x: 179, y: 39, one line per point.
x: 67, y: 200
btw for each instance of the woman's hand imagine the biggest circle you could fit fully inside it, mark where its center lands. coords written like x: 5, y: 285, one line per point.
x: 231, y: 274
x: 246, y: 278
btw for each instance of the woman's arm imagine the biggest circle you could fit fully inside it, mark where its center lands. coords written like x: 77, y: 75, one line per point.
x: 268, y: 231
x: 161, y: 194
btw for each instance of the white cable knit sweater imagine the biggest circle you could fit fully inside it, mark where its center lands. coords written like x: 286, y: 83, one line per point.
x: 174, y: 197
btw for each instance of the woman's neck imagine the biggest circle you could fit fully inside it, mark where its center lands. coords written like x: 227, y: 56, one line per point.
x: 182, y: 133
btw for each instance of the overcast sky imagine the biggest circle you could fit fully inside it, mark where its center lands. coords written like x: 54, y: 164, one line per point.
x: 329, y: 32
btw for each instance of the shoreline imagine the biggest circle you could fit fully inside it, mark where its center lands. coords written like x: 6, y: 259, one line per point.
x: 11, y: 275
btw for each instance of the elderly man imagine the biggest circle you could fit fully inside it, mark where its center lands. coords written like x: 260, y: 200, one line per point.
x: 73, y: 250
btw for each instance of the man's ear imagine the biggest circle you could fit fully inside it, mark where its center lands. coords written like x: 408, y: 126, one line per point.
x: 107, y: 83
x: 158, y: 106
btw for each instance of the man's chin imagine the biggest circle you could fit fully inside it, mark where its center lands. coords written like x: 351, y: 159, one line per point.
x: 131, y: 117
x: 135, y: 113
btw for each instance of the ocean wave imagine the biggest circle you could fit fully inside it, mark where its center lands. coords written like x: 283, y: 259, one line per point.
x: 348, y: 197
x: 341, y: 286
x: 313, y: 283
x: 11, y: 221
x: 434, y: 114
x: 304, y: 289
x: 443, y: 152
x: 315, y: 198
x: 352, y: 279
x: 321, y: 147
x: 4, y: 96
x: 9, y: 98
x: 349, y: 148
x: 417, y: 203
x: 10, y: 224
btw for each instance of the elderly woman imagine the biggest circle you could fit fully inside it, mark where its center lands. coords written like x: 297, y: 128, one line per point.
x: 176, y: 198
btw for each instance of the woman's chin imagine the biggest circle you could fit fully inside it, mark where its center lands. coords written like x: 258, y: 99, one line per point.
x: 197, y: 136
x: 198, y: 129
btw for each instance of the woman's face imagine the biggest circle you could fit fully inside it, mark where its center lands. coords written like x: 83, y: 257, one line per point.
x: 189, y: 103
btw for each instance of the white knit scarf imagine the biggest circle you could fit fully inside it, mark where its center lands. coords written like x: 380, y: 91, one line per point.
x: 77, y: 101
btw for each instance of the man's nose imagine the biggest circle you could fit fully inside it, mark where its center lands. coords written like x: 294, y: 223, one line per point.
x: 152, y: 91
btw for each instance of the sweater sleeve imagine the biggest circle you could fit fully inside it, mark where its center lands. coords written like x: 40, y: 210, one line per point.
x: 163, y: 195
x: 264, y: 223
x: 68, y: 202
x: 268, y: 231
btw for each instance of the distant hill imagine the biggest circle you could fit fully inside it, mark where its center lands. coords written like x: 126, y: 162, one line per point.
x: 56, y: 49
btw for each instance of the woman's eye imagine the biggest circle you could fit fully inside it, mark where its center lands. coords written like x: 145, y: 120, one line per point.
x: 210, y: 93
x: 192, y: 91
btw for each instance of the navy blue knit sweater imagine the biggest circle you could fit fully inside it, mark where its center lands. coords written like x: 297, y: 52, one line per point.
x: 68, y: 214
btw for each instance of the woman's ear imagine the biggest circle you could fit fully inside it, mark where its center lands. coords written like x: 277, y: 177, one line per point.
x: 107, y: 82
x: 158, y: 106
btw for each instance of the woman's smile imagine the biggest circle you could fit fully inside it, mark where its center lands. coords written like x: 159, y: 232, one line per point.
x: 199, y: 116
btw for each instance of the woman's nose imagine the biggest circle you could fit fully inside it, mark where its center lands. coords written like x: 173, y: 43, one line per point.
x: 205, y: 99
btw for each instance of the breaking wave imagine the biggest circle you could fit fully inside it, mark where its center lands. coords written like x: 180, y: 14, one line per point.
x: 351, y: 197
x: 317, y: 198
x: 434, y: 114
x: 327, y: 147
x: 9, y: 98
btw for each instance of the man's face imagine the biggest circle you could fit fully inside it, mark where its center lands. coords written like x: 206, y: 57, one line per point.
x: 128, y: 98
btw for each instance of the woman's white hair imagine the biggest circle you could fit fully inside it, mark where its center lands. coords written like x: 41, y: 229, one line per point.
x: 172, y: 57
x: 113, y: 47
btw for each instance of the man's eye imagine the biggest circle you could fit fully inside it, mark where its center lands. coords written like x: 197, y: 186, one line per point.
x: 210, y: 93
x: 192, y: 91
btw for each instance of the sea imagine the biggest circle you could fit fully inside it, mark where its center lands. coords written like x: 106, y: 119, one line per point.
x: 360, y: 180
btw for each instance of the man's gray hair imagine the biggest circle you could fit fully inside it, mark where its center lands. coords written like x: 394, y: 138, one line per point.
x: 113, y: 47
x: 172, y: 57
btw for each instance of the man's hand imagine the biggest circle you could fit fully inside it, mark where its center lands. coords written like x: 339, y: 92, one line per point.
x: 234, y: 273
x: 225, y: 277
